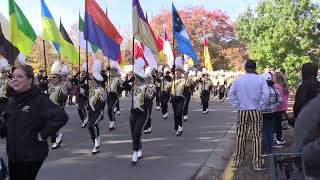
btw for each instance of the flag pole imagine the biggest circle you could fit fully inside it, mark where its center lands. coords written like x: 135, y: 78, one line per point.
x: 87, y: 60
x: 59, y: 45
x: 11, y: 56
x: 174, y: 64
x: 132, y: 89
x: 109, y: 75
x: 44, y: 57
x: 79, y: 53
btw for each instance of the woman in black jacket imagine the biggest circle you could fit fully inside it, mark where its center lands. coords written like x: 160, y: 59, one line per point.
x: 29, y: 119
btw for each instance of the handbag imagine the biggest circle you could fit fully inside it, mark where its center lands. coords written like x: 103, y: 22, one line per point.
x: 3, y: 170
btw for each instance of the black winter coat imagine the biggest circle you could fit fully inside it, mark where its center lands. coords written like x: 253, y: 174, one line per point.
x: 26, y: 116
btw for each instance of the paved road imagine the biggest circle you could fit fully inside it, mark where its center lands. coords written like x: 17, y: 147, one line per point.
x: 166, y: 157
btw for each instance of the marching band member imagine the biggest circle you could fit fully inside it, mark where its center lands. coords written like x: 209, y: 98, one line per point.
x: 112, y: 89
x: 4, y: 84
x: 143, y: 96
x: 206, y: 85
x: 188, y: 93
x: 178, y: 99
x: 222, y: 85
x: 165, y: 92
x: 149, y: 71
x: 42, y: 81
x: 215, y: 84
x: 57, y: 94
x: 157, y: 81
x: 65, y: 82
x: 83, y: 95
x: 97, y: 98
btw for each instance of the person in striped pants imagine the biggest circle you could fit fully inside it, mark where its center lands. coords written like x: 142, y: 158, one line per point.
x: 249, y: 94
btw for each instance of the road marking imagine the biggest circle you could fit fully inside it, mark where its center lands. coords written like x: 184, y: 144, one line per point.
x: 228, y: 172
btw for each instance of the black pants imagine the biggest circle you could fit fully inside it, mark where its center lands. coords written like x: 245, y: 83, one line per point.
x: 178, y: 106
x: 221, y: 92
x: 158, y: 96
x: 70, y: 96
x: 278, y: 125
x: 205, y: 95
x: 82, y: 105
x: 113, y: 99
x: 53, y: 137
x: 186, y: 105
x: 3, y: 104
x: 94, y: 118
x: 137, y: 121
x: 215, y: 91
x: 148, y: 123
x: 165, y: 98
x: 118, y: 105
x: 24, y: 170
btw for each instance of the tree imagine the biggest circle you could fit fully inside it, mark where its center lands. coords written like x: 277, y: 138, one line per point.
x: 214, y: 24
x: 281, y: 33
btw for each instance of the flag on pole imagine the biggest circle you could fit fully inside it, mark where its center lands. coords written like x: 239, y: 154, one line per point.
x: 92, y: 48
x: 7, y: 49
x: 60, y: 38
x: 142, y: 30
x: 160, y: 44
x: 67, y: 49
x: 168, y: 50
x: 50, y: 30
x: 5, y: 27
x: 181, y: 36
x: 22, y: 33
x: 207, y: 60
x: 138, y: 50
x: 99, y: 30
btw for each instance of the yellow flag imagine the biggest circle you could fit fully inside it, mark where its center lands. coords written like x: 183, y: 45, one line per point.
x: 207, y: 60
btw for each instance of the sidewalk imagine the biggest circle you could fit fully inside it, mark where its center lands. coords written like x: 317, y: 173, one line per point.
x: 215, y: 165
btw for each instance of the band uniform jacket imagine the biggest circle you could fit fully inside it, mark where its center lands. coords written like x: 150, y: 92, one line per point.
x: 4, y: 87
x: 143, y: 97
x: 57, y: 94
x: 166, y: 83
x: 178, y: 86
x: 97, y: 99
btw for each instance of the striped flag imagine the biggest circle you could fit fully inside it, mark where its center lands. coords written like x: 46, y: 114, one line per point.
x: 141, y: 29
x: 99, y: 30
x: 51, y: 32
x: 22, y: 33
x: 91, y: 47
x: 7, y: 49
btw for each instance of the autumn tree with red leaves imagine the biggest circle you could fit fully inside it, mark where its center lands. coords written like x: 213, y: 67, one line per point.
x: 225, y: 51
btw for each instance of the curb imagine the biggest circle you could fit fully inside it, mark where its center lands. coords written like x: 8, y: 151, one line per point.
x: 218, y: 161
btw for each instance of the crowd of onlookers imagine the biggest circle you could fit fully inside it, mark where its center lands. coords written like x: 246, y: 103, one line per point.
x: 264, y: 98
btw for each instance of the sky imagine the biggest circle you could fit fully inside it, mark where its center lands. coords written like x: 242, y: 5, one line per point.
x: 119, y: 11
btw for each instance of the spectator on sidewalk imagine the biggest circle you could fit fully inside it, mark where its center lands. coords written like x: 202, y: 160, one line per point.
x: 307, y: 136
x: 269, y: 114
x: 249, y: 95
x: 308, y: 88
x: 282, y: 86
